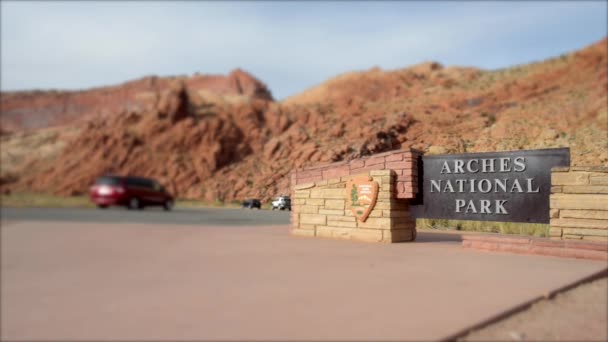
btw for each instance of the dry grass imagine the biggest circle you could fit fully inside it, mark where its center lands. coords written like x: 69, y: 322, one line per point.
x: 518, y: 228
x: 18, y: 148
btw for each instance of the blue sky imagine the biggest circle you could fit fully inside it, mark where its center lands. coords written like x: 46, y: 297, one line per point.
x: 288, y: 45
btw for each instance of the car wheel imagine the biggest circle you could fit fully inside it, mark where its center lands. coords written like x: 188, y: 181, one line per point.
x: 134, y: 204
x: 168, y: 205
x: 102, y: 206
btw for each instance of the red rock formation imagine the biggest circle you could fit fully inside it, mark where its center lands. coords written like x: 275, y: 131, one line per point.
x: 215, y: 137
x: 38, y: 109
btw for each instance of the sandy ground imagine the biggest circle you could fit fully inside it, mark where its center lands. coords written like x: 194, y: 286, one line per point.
x: 90, y: 281
x: 580, y: 314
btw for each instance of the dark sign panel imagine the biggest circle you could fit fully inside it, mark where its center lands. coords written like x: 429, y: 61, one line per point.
x: 498, y: 186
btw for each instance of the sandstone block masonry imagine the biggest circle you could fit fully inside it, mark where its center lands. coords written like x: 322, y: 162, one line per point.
x: 319, y: 199
x: 404, y: 163
x: 579, y: 203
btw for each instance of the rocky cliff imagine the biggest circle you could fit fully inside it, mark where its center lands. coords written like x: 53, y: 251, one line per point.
x: 33, y: 110
x: 216, y: 137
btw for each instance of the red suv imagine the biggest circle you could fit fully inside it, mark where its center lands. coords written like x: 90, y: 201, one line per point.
x: 133, y: 192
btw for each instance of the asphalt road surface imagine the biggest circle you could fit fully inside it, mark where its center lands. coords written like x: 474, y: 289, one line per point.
x: 73, y: 281
x: 203, y: 216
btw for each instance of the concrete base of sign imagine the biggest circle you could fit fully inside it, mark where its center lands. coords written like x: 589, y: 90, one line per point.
x: 538, y: 246
x: 321, y: 209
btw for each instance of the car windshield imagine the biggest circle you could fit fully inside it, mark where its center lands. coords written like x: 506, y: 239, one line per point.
x: 108, y: 181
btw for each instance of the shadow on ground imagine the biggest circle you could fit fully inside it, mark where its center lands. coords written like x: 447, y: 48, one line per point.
x: 426, y: 237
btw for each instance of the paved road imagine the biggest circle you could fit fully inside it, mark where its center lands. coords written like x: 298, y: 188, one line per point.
x: 206, y: 216
x: 117, y: 282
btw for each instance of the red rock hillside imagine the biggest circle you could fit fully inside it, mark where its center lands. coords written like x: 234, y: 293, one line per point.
x: 219, y: 139
x: 39, y: 109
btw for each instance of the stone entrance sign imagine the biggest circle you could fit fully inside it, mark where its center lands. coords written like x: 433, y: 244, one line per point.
x: 378, y: 198
x: 498, y: 186
x: 361, y: 195
x: 366, y: 199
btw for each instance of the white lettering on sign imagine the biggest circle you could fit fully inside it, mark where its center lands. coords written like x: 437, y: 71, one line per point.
x: 365, y: 189
x: 491, y: 165
x: 485, y: 206
x: 507, y: 185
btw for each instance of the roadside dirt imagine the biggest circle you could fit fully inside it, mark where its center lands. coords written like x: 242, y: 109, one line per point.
x: 580, y: 314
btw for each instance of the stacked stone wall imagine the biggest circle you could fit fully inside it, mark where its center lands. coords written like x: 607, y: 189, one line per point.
x: 404, y: 163
x: 579, y: 203
x: 319, y: 198
x: 320, y: 209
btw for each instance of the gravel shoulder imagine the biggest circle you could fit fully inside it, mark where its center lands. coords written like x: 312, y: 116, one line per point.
x: 580, y: 314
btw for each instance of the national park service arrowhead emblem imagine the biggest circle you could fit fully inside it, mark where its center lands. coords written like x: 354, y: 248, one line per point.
x: 361, y: 195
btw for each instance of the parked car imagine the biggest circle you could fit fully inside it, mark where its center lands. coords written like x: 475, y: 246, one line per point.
x: 132, y: 192
x: 252, y: 203
x: 282, y: 203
